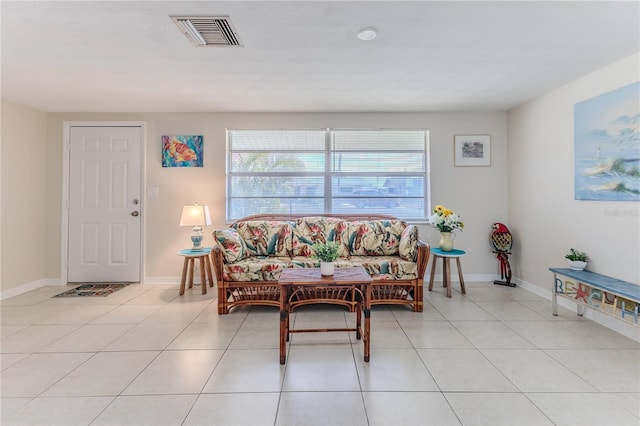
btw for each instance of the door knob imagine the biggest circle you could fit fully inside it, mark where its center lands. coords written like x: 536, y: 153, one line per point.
x: 135, y: 213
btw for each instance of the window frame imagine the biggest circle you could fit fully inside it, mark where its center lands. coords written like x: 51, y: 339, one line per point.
x: 328, y: 174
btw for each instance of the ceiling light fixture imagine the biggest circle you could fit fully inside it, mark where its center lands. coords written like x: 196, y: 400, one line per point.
x: 367, y: 34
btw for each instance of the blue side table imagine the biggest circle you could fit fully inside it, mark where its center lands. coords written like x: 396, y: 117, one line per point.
x: 187, y: 269
x: 446, y: 268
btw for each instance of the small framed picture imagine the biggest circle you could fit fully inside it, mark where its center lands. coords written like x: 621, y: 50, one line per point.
x: 472, y: 150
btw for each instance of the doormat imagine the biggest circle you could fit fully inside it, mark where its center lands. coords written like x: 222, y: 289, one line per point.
x: 92, y: 290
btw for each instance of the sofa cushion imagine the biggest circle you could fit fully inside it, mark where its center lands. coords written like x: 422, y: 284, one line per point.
x: 266, y: 238
x: 375, y: 237
x: 234, y: 247
x: 258, y: 268
x: 310, y: 230
x: 408, y: 247
x: 387, y: 267
x: 310, y: 262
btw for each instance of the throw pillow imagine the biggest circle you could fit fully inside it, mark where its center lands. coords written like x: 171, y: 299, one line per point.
x: 408, y: 249
x: 234, y: 247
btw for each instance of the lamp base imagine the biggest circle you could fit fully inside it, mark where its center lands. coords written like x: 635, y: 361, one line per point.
x: 197, y: 243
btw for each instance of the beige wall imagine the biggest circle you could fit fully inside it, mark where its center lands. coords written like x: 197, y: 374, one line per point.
x: 529, y: 186
x: 479, y: 194
x: 544, y: 216
x: 24, y: 208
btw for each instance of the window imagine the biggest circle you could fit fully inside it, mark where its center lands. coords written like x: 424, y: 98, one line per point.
x: 327, y: 171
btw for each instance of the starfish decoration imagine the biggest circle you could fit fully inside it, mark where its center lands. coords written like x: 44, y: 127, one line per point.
x: 581, y: 293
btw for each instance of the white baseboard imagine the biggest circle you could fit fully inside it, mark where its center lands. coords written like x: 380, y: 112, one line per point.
x: 171, y: 280
x: 467, y: 278
x: 24, y: 288
x: 470, y: 278
x: 196, y: 279
x: 629, y: 330
x: 164, y: 280
x: 539, y: 291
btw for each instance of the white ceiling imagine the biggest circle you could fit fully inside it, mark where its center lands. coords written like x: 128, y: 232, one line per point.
x: 128, y: 56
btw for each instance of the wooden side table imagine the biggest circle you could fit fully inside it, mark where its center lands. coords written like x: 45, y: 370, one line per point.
x: 446, y: 268
x: 187, y: 269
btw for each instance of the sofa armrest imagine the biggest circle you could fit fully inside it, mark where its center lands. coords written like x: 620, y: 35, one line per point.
x: 217, y: 258
x: 424, y: 251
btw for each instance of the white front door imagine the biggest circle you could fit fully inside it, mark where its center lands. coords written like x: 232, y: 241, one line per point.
x: 105, y: 216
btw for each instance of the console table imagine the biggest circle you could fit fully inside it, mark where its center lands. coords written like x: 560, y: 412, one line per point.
x: 583, y: 287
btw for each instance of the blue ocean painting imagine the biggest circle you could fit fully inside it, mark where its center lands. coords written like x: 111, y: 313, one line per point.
x: 607, y: 146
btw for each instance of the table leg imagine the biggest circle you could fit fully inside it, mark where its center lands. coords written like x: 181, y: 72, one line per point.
x: 184, y: 275
x: 462, y: 289
x: 203, y: 280
x: 554, y: 296
x: 191, y: 268
x: 433, y: 272
x: 284, y: 323
x: 447, y: 275
x: 445, y: 263
x: 359, y: 296
x: 207, y: 261
x: 367, y: 321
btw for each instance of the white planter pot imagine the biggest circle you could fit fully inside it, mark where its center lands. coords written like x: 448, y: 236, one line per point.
x: 577, y: 265
x: 327, y: 268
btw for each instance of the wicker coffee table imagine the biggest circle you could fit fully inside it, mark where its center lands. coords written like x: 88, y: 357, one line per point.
x: 300, y: 286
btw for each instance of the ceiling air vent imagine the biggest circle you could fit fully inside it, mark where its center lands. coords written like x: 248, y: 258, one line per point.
x: 208, y: 30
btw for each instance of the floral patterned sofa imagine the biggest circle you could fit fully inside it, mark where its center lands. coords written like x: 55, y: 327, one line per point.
x: 249, y: 255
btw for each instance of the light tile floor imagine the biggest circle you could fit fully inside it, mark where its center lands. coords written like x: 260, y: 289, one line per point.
x: 146, y: 356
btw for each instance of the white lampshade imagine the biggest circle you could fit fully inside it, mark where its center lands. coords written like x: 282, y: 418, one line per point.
x: 196, y: 216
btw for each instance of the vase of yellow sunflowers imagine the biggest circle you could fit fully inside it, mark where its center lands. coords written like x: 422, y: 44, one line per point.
x: 445, y: 221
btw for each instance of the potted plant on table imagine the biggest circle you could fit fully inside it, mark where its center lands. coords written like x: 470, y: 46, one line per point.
x: 326, y: 253
x: 577, y: 259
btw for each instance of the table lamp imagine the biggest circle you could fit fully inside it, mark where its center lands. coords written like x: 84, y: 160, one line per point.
x: 196, y: 216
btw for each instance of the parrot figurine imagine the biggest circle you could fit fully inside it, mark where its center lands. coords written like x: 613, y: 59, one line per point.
x: 502, y: 241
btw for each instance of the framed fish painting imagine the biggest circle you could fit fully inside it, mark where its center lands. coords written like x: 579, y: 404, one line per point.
x: 607, y: 146
x: 182, y: 151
